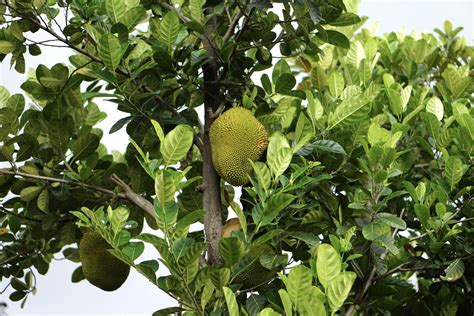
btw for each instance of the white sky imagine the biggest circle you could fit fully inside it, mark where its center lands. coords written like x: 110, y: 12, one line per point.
x: 57, y: 295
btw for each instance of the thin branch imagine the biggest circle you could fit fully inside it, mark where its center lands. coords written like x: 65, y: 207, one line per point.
x: 370, y: 278
x: 232, y: 25
x: 133, y: 197
x: 65, y: 181
x: 5, y: 211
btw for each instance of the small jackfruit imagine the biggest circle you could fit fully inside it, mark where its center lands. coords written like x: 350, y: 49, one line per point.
x: 255, y: 274
x: 231, y: 225
x: 236, y: 136
x: 99, y: 266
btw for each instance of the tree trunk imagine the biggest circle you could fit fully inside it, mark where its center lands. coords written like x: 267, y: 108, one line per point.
x: 211, y: 181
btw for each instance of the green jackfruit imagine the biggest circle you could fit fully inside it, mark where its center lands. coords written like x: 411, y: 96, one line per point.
x: 100, y: 267
x: 255, y: 274
x: 236, y: 136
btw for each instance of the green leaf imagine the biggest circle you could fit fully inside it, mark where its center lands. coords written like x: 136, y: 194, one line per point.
x: 268, y: 312
x: 336, y: 83
x: 177, y: 144
x: 271, y: 262
x: 43, y: 201
x: 349, y: 111
x: 298, y: 285
x: 115, y: 9
x: 30, y: 193
x: 181, y: 246
x: 169, y: 29
x: 287, y: 304
x: 195, y: 6
x: 339, y: 289
x: 58, y: 132
x: 110, y: 50
x: 276, y: 203
x: 392, y: 220
x: 285, y: 83
x: 84, y: 146
x: 334, y: 38
x: 453, y: 171
x: 16, y: 102
x: 231, y: 249
x: 220, y: 277
x: 435, y: 106
x: 119, y: 217
x: 168, y: 311
x: 454, y: 271
x: 263, y: 174
x: 423, y: 213
x: 133, y: 16
x: 328, y: 146
x: 280, y: 68
x: 133, y: 250
x: 7, y: 47
x: 346, y: 19
x: 374, y: 230
x: 279, y: 162
x: 328, y: 264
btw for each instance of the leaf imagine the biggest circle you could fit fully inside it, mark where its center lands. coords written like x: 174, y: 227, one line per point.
x: 133, y: 250
x: 328, y: 264
x: 334, y: 38
x: 280, y: 68
x: 181, y: 246
x: 435, y: 106
x: 285, y: 83
x: 453, y: 171
x: 133, y: 16
x: 280, y: 161
x: 84, y: 146
x: 349, y: 111
x: 329, y: 146
x: 271, y: 262
x: 195, y: 6
x: 168, y: 311
x: 169, y: 29
x: 7, y: 47
x: 268, y: 312
x: 298, y: 285
x: 346, y: 19
x: 285, y: 299
x: 43, y: 201
x: 392, y: 220
x: 374, y: 230
x: 263, y: 174
x: 336, y: 83
x: 276, y: 203
x: 423, y: 213
x: 231, y: 249
x: 119, y: 217
x: 177, y: 144
x: 314, y: 12
x: 254, y: 304
x: 454, y: 271
x: 115, y: 9
x: 339, y: 289
x: 30, y: 193
x: 110, y: 51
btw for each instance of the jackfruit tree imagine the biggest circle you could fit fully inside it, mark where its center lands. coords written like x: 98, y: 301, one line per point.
x: 343, y: 158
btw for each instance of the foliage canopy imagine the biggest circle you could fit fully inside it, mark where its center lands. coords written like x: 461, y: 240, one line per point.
x: 364, y: 195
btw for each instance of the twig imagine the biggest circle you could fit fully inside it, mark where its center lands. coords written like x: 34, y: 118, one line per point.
x: 369, y: 279
x: 65, y: 181
x: 133, y: 197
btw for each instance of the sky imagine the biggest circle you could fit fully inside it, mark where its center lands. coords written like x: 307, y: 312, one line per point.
x: 56, y: 295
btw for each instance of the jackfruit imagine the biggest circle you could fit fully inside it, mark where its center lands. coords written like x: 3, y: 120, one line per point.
x: 231, y: 225
x: 236, y: 136
x: 100, y: 267
x: 255, y: 274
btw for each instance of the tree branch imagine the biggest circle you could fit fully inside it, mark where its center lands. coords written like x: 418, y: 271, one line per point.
x: 133, y: 197
x: 369, y: 279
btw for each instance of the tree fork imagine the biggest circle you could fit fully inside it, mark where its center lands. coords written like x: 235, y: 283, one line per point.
x: 211, y: 181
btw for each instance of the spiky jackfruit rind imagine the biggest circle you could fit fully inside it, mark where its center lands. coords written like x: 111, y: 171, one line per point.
x: 99, y: 266
x: 236, y: 136
x: 255, y: 274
